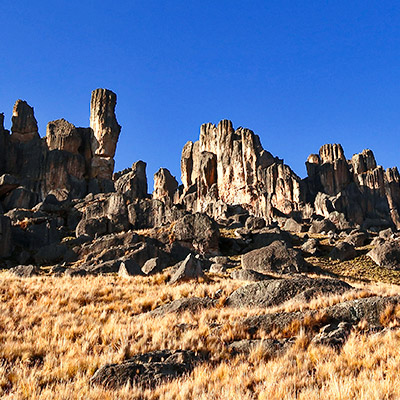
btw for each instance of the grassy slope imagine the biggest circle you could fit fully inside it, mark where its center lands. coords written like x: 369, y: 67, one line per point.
x: 55, y: 332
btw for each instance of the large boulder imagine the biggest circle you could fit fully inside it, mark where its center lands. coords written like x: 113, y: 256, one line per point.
x: 310, y: 247
x: 353, y: 311
x: 276, y: 257
x: 323, y: 226
x: 190, y: 268
x: 191, y: 304
x: 343, y: 251
x: 249, y: 275
x: 92, y: 227
x: 386, y: 255
x: 276, y: 291
x: 146, y: 370
x: 198, y: 232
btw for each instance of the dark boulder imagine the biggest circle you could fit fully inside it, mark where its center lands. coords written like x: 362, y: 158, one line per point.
x: 192, y: 304
x: 25, y: 271
x: 323, y: 226
x: 54, y: 253
x: 276, y: 257
x: 147, y: 370
x: 353, y: 311
x: 249, y: 275
x: 253, y: 223
x: 5, y: 237
x: 92, y: 227
x: 343, y: 251
x: 276, y: 291
x: 198, y: 232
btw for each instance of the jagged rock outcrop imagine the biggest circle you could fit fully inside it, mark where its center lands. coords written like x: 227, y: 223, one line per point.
x: 165, y: 186
x: 24, y: 125
x: 132, y: 182
x: 231, y: 167
x: 357, y: 190
x: 69, y: 162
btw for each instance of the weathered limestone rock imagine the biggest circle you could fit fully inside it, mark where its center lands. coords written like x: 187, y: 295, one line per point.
x: 386, y: 255
x: 358, y: 190
x: 132, y: 182
x: 198, y: 232
x: 146, y: 370
x: 3, y: 138
x: 104, y: 122
x: 276, y: 291
x: 232, y: 167
x: 276, y: 257
x: 191, y: 268
x: 24, y: 125
x: 392, y: 184
x: 62, y: 135
x: 106, y: 132
x: 329, y: 171
x: 165, y: 186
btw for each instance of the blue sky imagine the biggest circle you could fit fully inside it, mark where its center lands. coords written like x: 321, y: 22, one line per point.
x: 298, y: 73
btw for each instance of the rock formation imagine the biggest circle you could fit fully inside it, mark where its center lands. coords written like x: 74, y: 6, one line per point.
x: 68, y: 162
x: 63, y: 185
x: 232, y: 167
x: 24, y: 125
x: 358, y: 189
x: 165, y: 186
x: 105, y: 132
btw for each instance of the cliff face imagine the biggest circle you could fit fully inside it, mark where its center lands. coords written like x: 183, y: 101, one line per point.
x: 68, y: 162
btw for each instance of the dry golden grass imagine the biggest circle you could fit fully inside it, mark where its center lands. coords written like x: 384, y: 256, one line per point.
x: 55, y: 332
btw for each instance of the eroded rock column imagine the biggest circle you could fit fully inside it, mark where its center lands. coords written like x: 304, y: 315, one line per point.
x: 24, y: 125
x: 106, y: 132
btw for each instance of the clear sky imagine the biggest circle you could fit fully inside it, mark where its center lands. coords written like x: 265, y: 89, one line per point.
x: 298, y: 73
